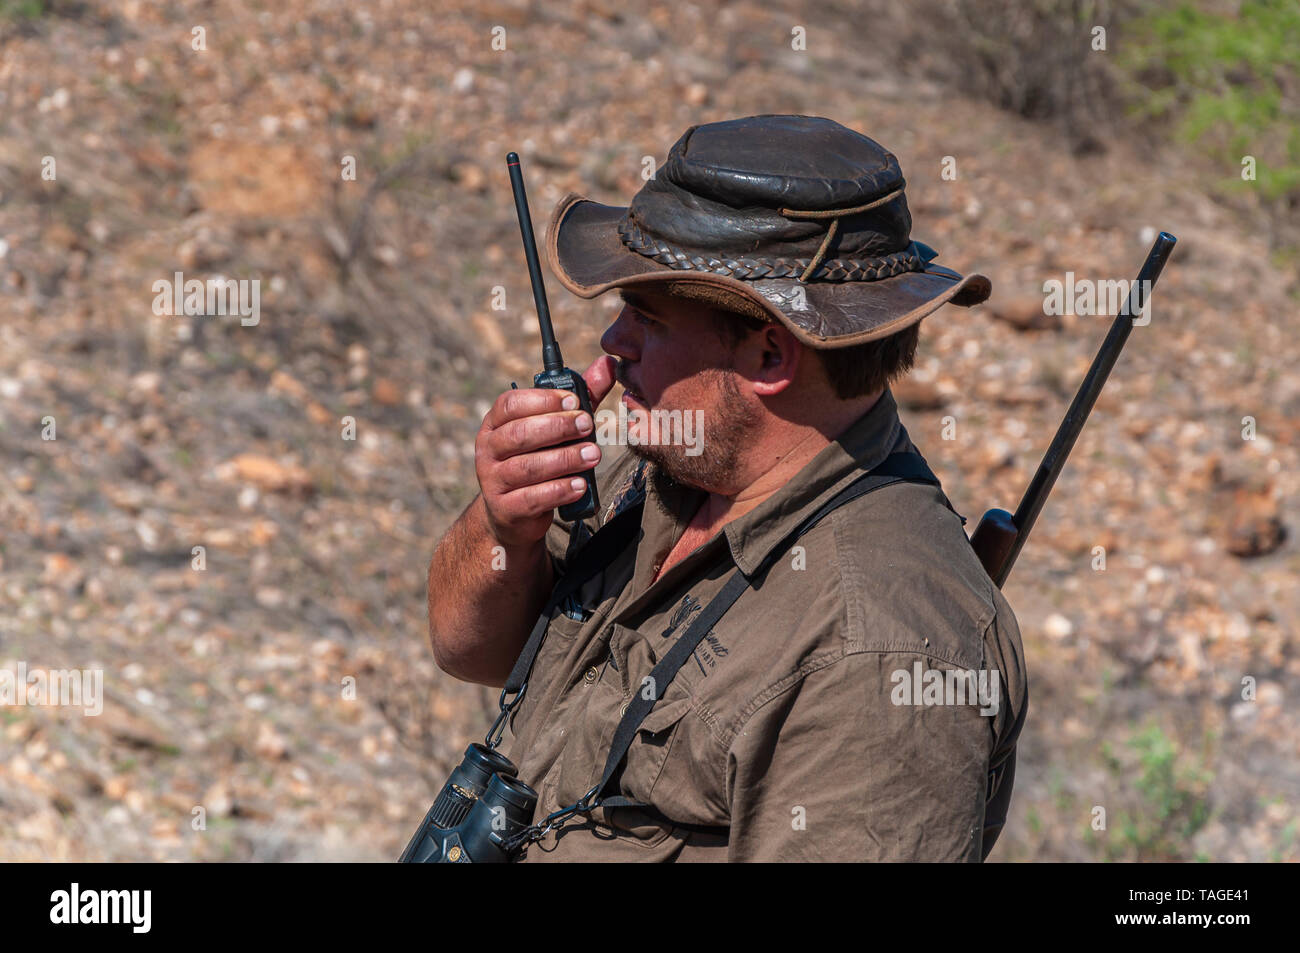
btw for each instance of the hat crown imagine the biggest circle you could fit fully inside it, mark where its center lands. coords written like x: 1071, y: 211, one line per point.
x: 728, y: 189
x: 774, y: 161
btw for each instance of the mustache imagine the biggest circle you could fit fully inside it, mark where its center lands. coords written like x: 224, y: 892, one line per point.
x: 621, y: 375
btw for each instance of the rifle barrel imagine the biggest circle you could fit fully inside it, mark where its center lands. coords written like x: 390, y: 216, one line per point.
x: 1066, y: 435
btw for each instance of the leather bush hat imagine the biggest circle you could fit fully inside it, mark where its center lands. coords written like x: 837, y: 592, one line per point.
x: 795, y: 219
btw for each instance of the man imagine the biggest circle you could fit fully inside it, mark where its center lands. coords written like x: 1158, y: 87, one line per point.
x: 770, y: 284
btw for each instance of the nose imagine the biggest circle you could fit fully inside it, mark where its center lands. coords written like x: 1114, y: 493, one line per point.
x: 622, y: 338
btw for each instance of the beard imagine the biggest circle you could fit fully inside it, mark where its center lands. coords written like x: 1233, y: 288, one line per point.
x: 727, y: 432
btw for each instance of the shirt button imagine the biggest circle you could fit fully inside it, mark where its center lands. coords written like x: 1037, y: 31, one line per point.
x: 590, y: 675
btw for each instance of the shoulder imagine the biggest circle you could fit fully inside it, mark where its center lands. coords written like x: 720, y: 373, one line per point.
x: 910, y: 579
x: 908, y: 595
x: 889, y: 571
x: 884, y: 580
x: 887, y: 579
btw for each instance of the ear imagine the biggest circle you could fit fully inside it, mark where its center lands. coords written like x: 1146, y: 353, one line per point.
x: 780, y: 355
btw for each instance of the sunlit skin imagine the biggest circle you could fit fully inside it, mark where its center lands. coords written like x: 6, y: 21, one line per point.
x: 768, y: 407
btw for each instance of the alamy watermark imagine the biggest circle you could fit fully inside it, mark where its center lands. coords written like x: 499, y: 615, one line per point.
x: 132, y: 908
x: 933, y: 686
x: 60, y: 687
x: 216, y: 296
x: 1087, y: 298
x: 655, y: 428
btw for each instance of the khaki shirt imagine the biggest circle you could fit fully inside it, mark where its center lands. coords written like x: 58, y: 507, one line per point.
x: 805, y: 723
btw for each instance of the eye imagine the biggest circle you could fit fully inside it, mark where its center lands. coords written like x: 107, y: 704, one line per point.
x: 640, y: 318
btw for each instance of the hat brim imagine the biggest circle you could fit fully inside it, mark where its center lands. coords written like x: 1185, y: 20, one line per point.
x: 586, y: 254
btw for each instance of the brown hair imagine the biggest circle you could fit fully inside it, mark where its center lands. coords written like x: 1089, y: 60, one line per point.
x: 852, y: 371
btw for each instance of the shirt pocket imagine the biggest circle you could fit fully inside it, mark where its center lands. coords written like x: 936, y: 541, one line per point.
x: 585, y: 754
x: 649, y: 752
x: 659, y: 736
x: 651, y: 747
x: 561, y: 646
x: 589, y: 743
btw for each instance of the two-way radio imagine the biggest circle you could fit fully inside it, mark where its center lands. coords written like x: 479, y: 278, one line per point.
x: 554, y: 376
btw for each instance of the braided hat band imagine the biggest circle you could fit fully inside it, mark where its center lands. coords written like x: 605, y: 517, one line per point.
x: 912, y: 258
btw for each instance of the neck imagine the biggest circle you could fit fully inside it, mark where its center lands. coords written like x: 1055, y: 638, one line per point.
x: 781, y: 452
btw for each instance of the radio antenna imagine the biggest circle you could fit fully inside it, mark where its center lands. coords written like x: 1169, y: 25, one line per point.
x: 551, y: 359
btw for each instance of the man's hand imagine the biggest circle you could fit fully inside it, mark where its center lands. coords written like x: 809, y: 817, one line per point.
x: 480, y: 608
x: 521, y: 471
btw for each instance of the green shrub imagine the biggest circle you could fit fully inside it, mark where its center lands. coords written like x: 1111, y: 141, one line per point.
x: 1230, y: 83
x: 1170, y: 804
x: 22, y: 9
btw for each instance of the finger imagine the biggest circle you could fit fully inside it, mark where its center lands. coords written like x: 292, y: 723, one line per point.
x: 526, y: 434
x: 530, y: 469
x: 600, y: 378
x: 531, y: 501
x: 525, y: 402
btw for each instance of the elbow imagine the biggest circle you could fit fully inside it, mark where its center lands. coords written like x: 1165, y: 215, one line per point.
x: 452, y: 658
x: 443, y: 655
x: 447, y: 662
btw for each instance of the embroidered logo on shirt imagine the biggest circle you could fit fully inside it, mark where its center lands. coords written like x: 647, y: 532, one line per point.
x: 685, y: 609
x: 702, y: 651
x: 711, y: 649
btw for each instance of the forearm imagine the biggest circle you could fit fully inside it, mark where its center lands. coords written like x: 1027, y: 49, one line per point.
x: 483, y: 598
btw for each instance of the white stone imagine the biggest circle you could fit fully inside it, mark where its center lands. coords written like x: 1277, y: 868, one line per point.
x: 1057, y: 626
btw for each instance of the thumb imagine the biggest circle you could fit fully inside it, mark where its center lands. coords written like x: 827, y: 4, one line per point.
x: 600, y: 378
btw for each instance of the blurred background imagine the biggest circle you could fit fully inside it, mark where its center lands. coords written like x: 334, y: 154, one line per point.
x: 216, y: 138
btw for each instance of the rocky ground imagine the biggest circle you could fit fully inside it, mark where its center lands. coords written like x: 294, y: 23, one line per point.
x: 286, y: 688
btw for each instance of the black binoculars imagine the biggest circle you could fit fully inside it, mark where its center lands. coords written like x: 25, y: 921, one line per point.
x: 480, y: 808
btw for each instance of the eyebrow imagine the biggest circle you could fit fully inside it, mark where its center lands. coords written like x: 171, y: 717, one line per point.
x: 635, y: 300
